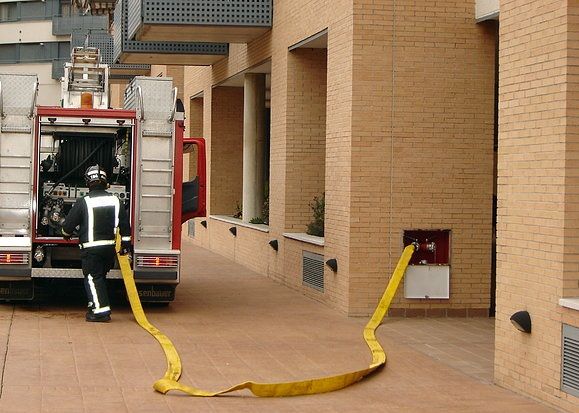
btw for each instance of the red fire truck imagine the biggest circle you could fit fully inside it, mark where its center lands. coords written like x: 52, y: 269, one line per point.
x: 44, y: 152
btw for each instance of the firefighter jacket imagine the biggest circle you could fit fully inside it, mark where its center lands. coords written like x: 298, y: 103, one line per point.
x: 98, y: 214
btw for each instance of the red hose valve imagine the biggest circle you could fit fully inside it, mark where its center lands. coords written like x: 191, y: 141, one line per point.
x: 427, y: 246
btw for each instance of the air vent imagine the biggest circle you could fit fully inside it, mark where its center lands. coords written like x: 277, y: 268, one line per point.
x: 570, y: 363
x: 313, y: 270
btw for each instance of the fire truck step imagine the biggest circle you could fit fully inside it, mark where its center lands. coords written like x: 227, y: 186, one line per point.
x: 170, y: 380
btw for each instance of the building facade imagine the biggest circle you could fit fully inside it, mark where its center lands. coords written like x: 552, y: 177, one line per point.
x: 538, y: 217
x: 28, y: 43
x: 412, y: 120
x: 36, y: 36
x: 387, y: 111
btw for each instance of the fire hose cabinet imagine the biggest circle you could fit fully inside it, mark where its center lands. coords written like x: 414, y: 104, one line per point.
x: 428, y: 273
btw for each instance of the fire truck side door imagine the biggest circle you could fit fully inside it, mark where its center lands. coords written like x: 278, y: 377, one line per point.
x: 194, y: 191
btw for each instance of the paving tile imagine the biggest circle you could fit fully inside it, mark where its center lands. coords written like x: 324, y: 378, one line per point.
x: 21, y: 399
x: 230, y: 324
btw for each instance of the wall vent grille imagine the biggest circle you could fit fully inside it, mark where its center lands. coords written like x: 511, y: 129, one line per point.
x: 313, y: 270
x: 570, y: 362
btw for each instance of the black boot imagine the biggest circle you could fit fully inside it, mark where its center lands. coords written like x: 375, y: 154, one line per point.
x: 99, y: 318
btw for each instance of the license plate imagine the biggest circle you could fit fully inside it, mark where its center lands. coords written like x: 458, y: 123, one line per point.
x: 16, y: 290
x: 156, y: 293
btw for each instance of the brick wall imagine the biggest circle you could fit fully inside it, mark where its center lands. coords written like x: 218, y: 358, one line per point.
x: 117, y: 95
x: 158, y: 70
x: 195, y: 130
x: 422, y: 145
x: 306, y: 135
x: 295, y: 21
x: 571, y: 265
x: 409, y: 143
x: 226, y: 150
x: 177, y: 73
x: 537, y: 214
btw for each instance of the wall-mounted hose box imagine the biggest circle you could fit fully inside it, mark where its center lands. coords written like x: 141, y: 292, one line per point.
x: 428, y: 273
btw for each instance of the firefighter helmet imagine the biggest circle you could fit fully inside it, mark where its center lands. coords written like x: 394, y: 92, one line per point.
x: 94, y: 175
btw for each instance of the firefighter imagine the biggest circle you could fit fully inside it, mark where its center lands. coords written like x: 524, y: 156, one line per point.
x: 98, y: 215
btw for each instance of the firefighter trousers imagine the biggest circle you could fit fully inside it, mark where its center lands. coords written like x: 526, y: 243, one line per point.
x: 96, y: 263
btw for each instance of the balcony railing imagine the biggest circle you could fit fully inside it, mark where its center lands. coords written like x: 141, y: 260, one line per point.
x: 64, y: 25
x: 127, y: 50
x: 231, y: 21
x: 58, y: 68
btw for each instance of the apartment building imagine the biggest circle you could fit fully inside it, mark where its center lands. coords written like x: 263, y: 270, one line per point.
x: 36, y: 37
x: 28, y: 43
x: 414, y: 121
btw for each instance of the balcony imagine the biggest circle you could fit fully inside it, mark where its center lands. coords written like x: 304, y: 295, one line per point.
x: 228, y: 21
x: 188, y: 53
x: 64, y: 25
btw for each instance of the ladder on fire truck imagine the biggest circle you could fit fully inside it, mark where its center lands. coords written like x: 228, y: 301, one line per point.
x: 155, y: 102
x: 86, y: 76
x: 18, y: 94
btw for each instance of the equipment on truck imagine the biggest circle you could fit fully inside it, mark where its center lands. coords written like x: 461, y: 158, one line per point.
x: 45, y: 151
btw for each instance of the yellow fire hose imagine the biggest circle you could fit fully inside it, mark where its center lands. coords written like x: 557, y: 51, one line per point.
x: 170, y: 380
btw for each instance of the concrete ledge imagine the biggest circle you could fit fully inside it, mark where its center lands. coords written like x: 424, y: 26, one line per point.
x: 236, y: 221
x: 303, y: 237
x: 572, y: 303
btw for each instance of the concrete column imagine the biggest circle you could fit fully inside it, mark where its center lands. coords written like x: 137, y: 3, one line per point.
x: 253, y: 144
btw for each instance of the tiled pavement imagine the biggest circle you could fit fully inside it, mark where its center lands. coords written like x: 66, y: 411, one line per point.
x: 231, y: 325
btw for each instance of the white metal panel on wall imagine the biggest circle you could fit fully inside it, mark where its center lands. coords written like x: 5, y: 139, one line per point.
x: 427, y: 281
x: 487, y: 9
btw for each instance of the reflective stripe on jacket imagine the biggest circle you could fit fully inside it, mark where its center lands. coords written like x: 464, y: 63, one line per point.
x: 98, y: 214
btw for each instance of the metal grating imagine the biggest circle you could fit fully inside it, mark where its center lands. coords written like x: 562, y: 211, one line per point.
x: 208, y: 12
x: 117, y: 30
x: 65, y: 25
x: 247, y: 13
x: 104, y: 41
x: 313, y: 270
x: 570, y: 362
x: 58, y: 68
x: 96, y: 38
x: 122, y: 42
x: 133, y: 17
